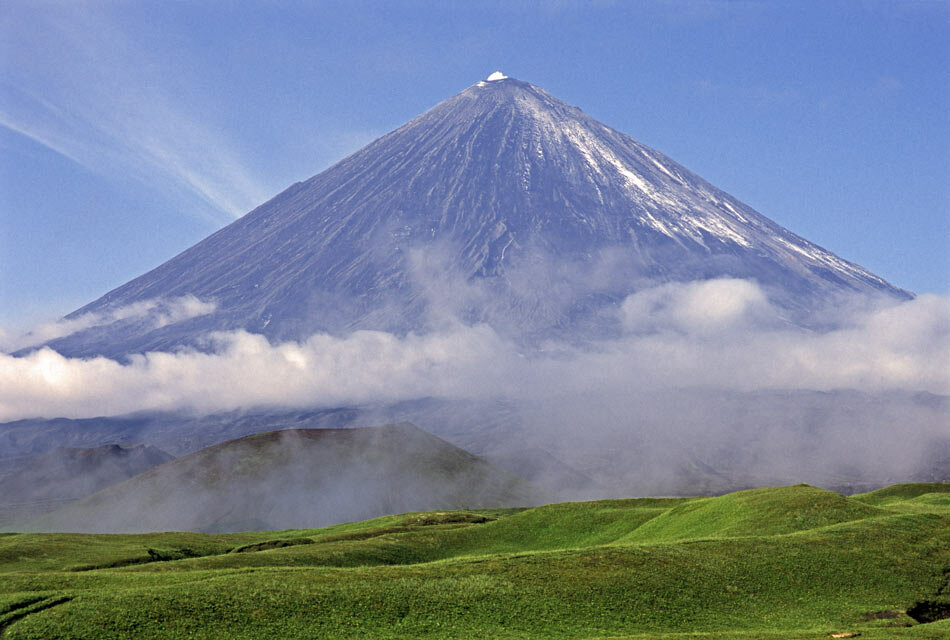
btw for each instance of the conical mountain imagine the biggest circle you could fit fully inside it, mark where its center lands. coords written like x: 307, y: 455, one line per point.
x: 501, y: 204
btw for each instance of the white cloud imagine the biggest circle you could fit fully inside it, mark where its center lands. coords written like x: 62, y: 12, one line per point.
x: 707, y: 306
x: 708, y: 335
x: 160, y: 313
x: 246, y: 370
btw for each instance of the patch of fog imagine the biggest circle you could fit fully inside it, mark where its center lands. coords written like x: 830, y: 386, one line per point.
x: 295, y: 479
x: 157, y: 311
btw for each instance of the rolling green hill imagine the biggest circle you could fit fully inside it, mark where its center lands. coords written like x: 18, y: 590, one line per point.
x: 903, y: 492
x: 787, y: 562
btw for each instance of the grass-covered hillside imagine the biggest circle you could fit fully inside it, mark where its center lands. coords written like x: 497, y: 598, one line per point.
x: 790, y: 562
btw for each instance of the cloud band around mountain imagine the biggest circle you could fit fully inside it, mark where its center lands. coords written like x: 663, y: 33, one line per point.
x: 717, y: 334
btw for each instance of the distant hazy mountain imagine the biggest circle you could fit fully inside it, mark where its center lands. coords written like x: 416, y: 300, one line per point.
x: 67, y: 474
x: 297, y: 478
x: 550, y: 215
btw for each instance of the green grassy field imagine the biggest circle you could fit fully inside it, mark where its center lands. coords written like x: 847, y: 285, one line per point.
x: 788, y: 562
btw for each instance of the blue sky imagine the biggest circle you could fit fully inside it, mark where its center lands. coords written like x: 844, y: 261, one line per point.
x: 129, y: 131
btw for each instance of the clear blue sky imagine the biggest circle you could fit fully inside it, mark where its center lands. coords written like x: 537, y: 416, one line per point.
x: 131, y: 130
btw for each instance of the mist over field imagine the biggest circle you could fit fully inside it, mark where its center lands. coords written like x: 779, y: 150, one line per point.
x: 696, y: 380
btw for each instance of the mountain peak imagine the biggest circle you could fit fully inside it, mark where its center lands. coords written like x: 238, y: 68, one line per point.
x: 495, y: 179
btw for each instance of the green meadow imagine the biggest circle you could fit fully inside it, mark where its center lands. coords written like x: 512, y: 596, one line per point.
x: 783, y: 563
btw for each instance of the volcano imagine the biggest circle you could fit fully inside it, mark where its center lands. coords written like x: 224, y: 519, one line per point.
x: 502, y: 205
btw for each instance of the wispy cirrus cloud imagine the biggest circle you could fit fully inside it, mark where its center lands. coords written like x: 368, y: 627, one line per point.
x: 72, y: 80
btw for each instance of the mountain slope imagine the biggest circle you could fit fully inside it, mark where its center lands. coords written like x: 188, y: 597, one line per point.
x: 296, y: 478
x: 500, y: 204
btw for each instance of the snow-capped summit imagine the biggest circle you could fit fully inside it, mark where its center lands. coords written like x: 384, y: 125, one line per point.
x: 501, y: 204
